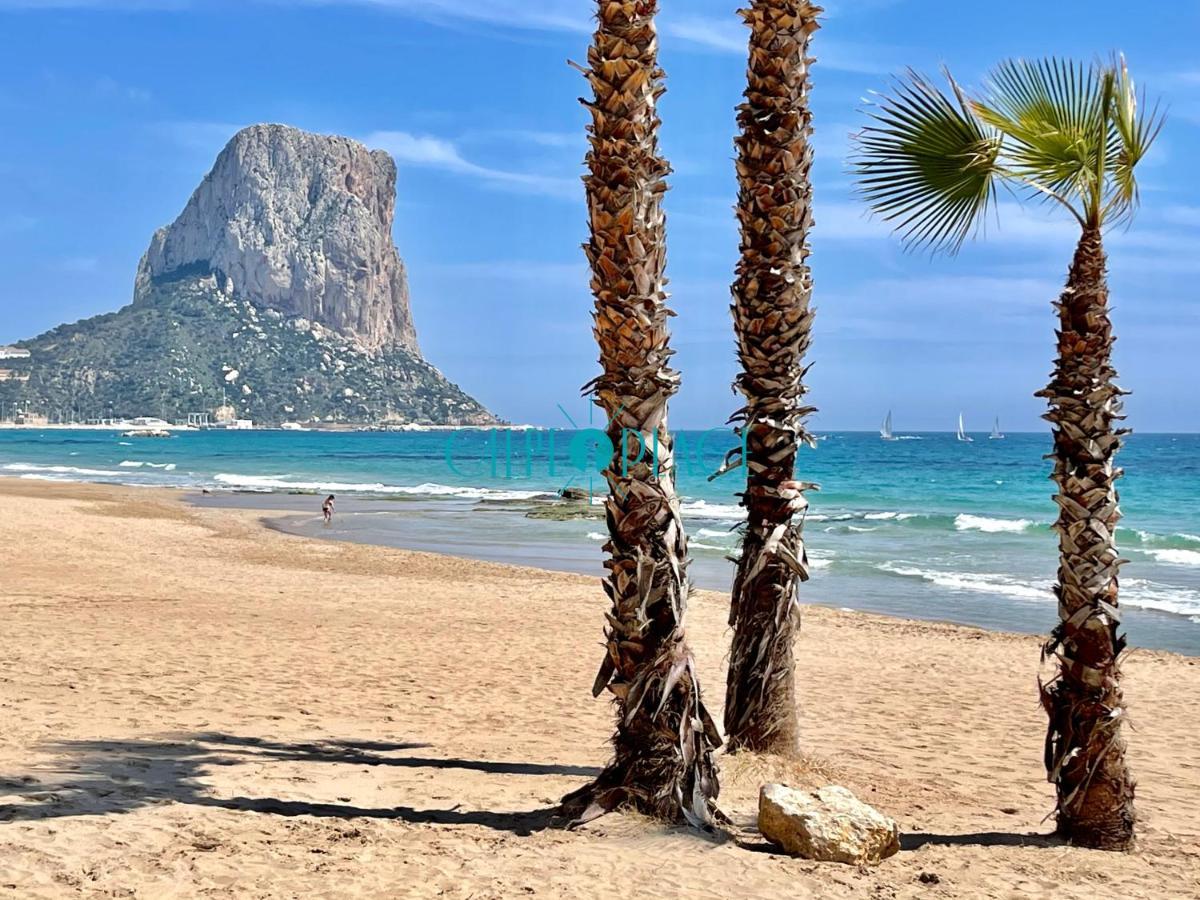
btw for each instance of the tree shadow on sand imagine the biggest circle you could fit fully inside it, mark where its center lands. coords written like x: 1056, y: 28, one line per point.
x: 917, y: 840
x: 750, y: 839
x: 113, y: 777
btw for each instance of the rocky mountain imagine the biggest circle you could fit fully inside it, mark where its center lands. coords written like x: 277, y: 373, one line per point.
x: 277, y: 295
x: 300, y: 223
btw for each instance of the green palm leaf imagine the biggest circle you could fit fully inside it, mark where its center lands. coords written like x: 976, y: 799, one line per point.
x: 1135, y: 128
x: 1065, y: 131
x: 1054, y: 116
x: 928, y: 165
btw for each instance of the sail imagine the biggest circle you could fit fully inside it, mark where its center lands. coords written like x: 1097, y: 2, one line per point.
x: 962, y: 434
x: 996, y: 434
x: 885, y: 431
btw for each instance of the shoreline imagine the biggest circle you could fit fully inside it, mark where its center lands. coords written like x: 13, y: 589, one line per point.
x: 430, y: 528
x: 202, y: 705
x: 467, y: 527
x: 328, y: 428
x: 266, y: 519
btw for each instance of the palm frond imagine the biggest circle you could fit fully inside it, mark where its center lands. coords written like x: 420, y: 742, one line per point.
x: 928, y: 165
x: 1053, y: 115
x: 1135, y: 128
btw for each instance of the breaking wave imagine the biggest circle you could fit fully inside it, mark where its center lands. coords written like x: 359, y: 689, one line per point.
x: 972, y: 581
x: 1138, y: 593
x: 429, y: 489
x: 58, y: 470
x: 702, y: 509
x: 1175, y: 557
x: 966, y: 522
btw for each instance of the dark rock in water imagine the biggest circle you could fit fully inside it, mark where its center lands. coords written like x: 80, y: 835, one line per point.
x: 573, y: 503
x: 558, y: 512
x: 277, y: 295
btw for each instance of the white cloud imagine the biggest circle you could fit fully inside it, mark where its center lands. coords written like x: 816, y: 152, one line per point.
x: 408, y: 149
x: 424, y: 151
x: 1008, y: 223
x: 724, y: 35
x: 420, y: 151
x: 549, y: 139
x: 727, y: 35
x: 545, y: 15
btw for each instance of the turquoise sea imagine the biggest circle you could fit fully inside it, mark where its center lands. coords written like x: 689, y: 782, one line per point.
x: 923, y: 527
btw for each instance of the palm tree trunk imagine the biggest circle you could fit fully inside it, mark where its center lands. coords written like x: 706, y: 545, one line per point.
x: 773, y: 320
x: 1085, y: 752
x: 663, y: 747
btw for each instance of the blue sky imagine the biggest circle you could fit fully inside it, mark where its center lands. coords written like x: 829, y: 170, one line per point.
x: 113, y: 110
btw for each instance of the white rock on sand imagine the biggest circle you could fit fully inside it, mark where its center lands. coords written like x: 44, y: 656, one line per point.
x: 828, y: 825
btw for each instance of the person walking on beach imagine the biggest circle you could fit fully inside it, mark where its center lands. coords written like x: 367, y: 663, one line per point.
x: 327, y: 510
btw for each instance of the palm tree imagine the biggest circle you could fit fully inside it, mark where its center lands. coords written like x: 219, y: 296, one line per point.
x: 773, y: 321
x: 1070, y: 135
x: 663, y: 747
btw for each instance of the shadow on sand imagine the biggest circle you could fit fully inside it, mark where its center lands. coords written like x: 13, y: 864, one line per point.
x: 113, y: 777
x: 917, y: 840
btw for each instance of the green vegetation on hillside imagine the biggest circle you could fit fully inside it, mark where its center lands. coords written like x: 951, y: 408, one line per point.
x: 192, y: 348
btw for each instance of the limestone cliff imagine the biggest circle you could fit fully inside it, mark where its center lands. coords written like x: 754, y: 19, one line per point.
x: 277, y: 291
x: 296, y: 222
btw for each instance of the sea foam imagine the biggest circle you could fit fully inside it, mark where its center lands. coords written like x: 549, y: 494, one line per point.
x: 1135, y: 592
x: 1175, y: 557
x: 967, y: 522
x: 973, y: 581
x: 702, y: 509
x: 1143, y: 594
x: 428, y: 489
x: 57, y: 470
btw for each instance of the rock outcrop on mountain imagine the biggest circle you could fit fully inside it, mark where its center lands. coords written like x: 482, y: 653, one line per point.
x: 296, y: 222
x: 277, y: 295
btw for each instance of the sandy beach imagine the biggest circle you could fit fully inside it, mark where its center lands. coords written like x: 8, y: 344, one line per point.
x: 194, y: 705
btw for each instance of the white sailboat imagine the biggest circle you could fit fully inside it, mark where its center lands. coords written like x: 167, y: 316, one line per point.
x: 996, y: 435
x: 962, y: 435
x: 885, y: 431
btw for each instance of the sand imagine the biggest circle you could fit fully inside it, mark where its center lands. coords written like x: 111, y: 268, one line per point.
x: 192, y: 705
